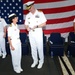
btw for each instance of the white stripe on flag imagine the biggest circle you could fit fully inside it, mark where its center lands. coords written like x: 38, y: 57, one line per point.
x: 53, y: 4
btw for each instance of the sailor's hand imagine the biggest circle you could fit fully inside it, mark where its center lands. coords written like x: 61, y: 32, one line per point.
x: 34, y: 28
x: 4, y: 35
x: 28, y: 29
x: 12, y: 48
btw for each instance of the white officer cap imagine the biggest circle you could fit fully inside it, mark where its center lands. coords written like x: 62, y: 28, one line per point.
x: 12, y: 15
x: 29, y: 4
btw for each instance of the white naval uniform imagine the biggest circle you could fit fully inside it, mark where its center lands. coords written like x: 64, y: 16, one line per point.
x: 13, y: 33
x: 36, y: 36
x: 2, y: 39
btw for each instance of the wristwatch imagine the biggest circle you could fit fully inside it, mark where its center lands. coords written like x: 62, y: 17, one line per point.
x: 37, y: 26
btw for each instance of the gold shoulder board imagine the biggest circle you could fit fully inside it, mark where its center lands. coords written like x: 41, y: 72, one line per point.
x: 39, y: 10
x: 10, y: 25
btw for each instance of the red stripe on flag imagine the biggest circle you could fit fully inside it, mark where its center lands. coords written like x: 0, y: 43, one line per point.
x: 55, y: 10
x: 63, y: 30
x: 23, y: 31
x: 44, y: 1
x: 60, y: 20
x: 58, y: 10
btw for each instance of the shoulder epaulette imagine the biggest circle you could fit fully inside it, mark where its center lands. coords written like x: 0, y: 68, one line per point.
x: 10, y: 25
x: 39, y: 10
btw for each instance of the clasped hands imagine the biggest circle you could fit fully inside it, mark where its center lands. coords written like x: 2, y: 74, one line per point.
x: 31, y: 28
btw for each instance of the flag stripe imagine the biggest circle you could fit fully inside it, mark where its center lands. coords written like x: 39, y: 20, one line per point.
x: 45, y: 1
x: 59, y: 15
x: 60, y: 20
x: 54, y: 26
x: 63, y: 30
x: 55, y: 10
x: 53, y: 4
x: 59, y: 25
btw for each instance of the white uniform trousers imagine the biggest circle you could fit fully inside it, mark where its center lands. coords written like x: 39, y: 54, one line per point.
x: 16, y: 54
x: 2, y: 44
x: 36, y: 42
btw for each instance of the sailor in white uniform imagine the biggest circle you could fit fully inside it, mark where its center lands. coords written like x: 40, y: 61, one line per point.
x: 15, y: 43
x: 34, y: 22
x: 3, y: 25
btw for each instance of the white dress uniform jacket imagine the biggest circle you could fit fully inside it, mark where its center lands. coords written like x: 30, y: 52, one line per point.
x: 36, y: 36
x: 2, y: 40
x: 13, y: 33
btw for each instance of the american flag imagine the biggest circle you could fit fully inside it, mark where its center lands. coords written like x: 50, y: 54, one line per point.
x: 59, y: 13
